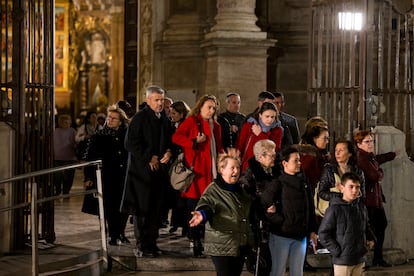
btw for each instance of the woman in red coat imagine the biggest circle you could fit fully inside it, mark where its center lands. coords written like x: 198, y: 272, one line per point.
x: 264, y: 126
x: 199, y: 135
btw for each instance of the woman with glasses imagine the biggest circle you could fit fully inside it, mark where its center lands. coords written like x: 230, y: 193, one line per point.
x: 369, y: 162
x: 314, y: 154
x: 107, y: 144
x: 261, y: 172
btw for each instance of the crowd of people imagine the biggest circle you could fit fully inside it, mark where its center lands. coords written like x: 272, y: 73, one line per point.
x: 257, y: 185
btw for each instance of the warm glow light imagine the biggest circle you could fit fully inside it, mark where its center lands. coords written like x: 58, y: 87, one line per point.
x: 350, y: 21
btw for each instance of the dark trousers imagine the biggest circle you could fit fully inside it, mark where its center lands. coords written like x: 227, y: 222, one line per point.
x: 378, y: 222
x: 63, y: 178
x: 228, y: 265
x: 146, y: 224
x: 116, y: 221
x: 178, y: 213
x: 195, y: 233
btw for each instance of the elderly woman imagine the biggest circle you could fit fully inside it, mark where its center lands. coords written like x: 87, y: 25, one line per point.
x: 199, y: 136
x: 107, y: 144
x: 345, y: 161
x: 260, y: 173
x: 370, y: 165
x: 225, y: 208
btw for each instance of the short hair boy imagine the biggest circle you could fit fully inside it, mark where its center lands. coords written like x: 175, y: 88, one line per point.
x: 345, y: 229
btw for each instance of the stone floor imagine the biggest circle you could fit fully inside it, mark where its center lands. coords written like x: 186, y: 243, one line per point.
x: 78, y: 243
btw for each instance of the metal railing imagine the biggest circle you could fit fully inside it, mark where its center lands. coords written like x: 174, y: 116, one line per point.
x: 35, y: 201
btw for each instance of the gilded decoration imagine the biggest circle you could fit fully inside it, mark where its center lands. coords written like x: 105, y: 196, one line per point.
x: 90, y: 60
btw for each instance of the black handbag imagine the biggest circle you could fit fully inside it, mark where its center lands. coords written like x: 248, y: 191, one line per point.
x: 90, y: 203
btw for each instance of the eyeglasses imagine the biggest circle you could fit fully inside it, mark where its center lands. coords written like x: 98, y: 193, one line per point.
x: 273, y: 155
x: 112, y: 118
x: 368, y: 141
x: 326, y: 138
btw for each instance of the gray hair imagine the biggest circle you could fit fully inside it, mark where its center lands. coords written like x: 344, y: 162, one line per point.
x: 154, y: 89
x: 263, y: 146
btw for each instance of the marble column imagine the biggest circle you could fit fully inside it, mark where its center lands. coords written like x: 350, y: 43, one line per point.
x: 397, y: 187
x: 236, y: 53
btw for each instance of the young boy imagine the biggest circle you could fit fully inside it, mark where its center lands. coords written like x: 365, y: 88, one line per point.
x: 345, y: 229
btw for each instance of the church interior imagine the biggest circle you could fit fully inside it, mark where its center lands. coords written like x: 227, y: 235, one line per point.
x: 350, y: 62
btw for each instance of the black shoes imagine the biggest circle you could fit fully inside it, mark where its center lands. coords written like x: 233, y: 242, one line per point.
x: 118, y: 241
x: 124, y: 239
x: 147, y: 253
x: 114, y: 241
x: 172, y: 229
x: 198, y: 249
x: 380, y: 263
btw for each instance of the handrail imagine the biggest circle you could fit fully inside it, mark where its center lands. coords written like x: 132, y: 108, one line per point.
x: 34, y: 202
x: 51, y: 170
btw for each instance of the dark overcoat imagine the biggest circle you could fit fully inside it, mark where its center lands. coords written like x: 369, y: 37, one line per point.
x: 107, y: 145
x: 146, y: 136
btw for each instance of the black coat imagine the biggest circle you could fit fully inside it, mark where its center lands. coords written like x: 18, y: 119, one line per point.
x: 344, y: 231
x: 295, y: 212
x: 108, y: 145
x: 146, y: 136
x: 328, y: 181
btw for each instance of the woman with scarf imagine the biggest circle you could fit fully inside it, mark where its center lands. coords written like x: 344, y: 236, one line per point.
x: 107, y: 144
x: 263, y: 126
x: 199, y: 137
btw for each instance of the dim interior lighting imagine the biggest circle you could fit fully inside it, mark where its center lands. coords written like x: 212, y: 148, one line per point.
x: 350, y: 21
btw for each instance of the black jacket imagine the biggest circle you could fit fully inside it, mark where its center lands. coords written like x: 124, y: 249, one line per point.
x: 328, y: 181
x: 344, y: 231
x: 295, y: 211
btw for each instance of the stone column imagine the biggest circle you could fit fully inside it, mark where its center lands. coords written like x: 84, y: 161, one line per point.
x: 397, y: 186
x: 236, y: 53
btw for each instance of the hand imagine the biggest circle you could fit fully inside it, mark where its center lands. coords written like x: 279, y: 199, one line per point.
x: 370, y: 244
x: 338, y: 186
x: 314, y: 238
x: 271, y: 209
x: 201, y: 137
x: 256, y: 129
x: 234, y: 128
x: 196, y: 219
x: 88, y: 183
x: 166, y: 158
x: 154, y: 163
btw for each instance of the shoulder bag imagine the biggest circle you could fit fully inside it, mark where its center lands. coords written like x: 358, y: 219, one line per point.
x: 321, y: 204
x: 181, y: 176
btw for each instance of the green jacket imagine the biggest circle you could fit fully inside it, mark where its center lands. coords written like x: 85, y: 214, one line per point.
x: 227, y: 214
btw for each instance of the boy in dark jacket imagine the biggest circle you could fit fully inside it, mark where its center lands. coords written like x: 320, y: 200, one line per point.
x: 344, y: 230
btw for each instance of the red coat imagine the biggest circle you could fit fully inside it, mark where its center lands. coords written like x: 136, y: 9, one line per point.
x: 183, y: 137
x: 312, y: 164
x: 247, y: 139
x: 370, y: 165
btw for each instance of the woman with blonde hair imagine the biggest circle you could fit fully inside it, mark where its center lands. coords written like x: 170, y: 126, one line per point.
x: 107, y: 144
x: 225, y: 209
